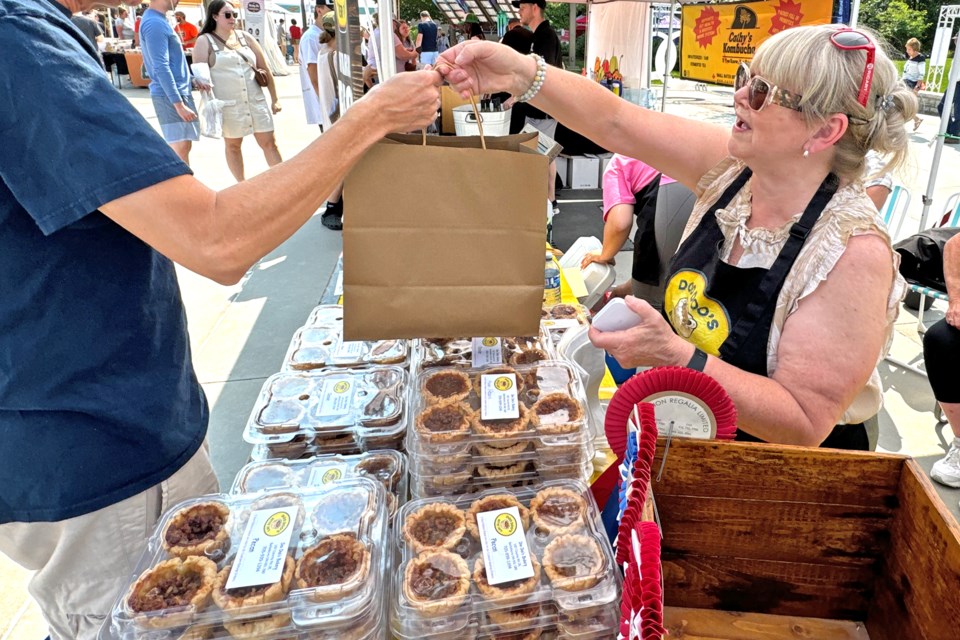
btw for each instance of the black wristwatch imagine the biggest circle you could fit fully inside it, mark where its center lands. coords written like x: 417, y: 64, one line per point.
x: 699, y: 359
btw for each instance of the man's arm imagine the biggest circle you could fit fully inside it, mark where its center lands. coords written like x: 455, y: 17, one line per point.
x: 314, y: 80
x: 222, y: 234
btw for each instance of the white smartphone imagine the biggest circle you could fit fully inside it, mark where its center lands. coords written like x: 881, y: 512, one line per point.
x: 616, y: 316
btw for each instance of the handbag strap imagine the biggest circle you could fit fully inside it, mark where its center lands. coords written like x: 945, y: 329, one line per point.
x: 240, y: 36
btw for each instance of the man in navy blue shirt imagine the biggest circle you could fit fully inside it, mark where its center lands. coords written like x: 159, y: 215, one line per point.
x: 102, y: 420
x: 171, y: 81
x: 427, y: 39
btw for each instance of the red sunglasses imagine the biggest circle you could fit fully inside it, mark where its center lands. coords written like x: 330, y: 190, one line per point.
x: 851, y: 40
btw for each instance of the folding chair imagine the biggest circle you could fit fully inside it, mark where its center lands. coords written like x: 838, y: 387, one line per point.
x: 895, y: 210
x: 951, y: 212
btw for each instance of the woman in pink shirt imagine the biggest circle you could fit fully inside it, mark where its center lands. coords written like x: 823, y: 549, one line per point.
x: 661, y: 206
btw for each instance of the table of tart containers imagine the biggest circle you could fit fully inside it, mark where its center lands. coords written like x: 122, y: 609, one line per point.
x: 484, y: 528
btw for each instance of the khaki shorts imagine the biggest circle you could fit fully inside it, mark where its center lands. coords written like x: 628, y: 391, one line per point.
x: 83, y: 563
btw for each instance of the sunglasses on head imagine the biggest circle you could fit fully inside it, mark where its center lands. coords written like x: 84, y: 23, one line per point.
x: 851, y: 40
x: 229, y: 15
x: 760, y: 92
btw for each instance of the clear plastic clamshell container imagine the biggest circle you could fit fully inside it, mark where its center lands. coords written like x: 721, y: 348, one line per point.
x: 473, y: 352
x: 497, y: 426
x: 320, y: 344
x: 389, y: 467
x: 555, y: 320
x: 283, y: 564
x: 507, y: 563
x: 333, y: 411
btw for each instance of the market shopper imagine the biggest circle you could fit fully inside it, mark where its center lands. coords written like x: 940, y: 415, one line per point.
x: 941, y: 351
x: 404, y: 51
x: 102, y: 417
x: 427, y: 39
x: 309, y: 53
x: 188, y: 32
x: 635, y: 191
x: 234, y: 59
x: 913, y: 72
x: 295, y: 33
x: 791, y: 315
x: 171, y: 85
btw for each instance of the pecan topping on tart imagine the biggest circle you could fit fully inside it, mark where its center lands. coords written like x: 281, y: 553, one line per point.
x: 382, y: 467
x: 447, y: 385
x: 528, y: 356
x: 436, y: 525
x: 181, y: 584
x: 444, y: 422
x: 198, y: 529
x: 506, y: 591
x: 561, y: 311
x: 557, y: 511
x: 436, y: 582
x: 494, y: 503
x: 573, y: 562
x: 235, y: 600
x: 556, y: 413
x: 334, y: 567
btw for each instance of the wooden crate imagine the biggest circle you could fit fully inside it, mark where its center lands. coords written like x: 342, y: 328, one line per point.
x: 810, y: 534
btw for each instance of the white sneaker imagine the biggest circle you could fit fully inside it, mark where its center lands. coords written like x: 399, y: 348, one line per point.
x: 947, y: 470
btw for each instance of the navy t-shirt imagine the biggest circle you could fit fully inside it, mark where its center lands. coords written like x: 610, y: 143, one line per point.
x: 429, y: 31
x: 98, y: 398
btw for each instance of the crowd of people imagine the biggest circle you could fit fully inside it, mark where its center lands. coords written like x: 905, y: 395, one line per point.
x: 782, y: 284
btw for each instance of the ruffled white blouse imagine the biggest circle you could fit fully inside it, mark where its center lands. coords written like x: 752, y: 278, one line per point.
x: 849, y: 213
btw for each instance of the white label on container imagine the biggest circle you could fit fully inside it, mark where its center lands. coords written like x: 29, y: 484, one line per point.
x: 337, y: 398
x: 349, y: 349
x: 263, y: 548
x: 498, y: 397
x: 506, y: 556
x: 561, y: 324
x: 487, y: 351
x: 324, y: 475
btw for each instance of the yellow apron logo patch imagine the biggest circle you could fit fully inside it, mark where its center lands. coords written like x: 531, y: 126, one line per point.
x: 700, y: 319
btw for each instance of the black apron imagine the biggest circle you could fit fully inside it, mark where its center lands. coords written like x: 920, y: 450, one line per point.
x: 727, y: 311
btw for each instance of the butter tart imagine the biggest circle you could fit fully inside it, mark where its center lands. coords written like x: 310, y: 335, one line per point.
x: 197, y: 530
x: 494, y: 471
x: 558, y: 511
x: 334, y: 568
x: 435, y: 525
x: 526, y: 634
x: 436, y: 582
x: 234, y: 601
x: 528, y: 356
x: 446, y: 386
x: 561, y: 311
x: 257, y: 627
x: 556, y: 413
x: 277, y: 500
x: 199, y: 632
x: 183, y: 585
x: 342, y: 510
x: 573, y: 562
x: 442, y: 423
x: 281, y: 415
x: 490, y: 450
x: 383, y: 467
x: 506, y: 592
x: 494, y: 503
x: 501, y: 433
x: 268, y: 476
x: 515, y: 618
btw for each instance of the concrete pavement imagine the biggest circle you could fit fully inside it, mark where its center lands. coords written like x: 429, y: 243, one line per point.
x: 239, y: 334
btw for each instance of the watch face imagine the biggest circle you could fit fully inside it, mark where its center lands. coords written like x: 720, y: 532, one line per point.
x: 683, y: 415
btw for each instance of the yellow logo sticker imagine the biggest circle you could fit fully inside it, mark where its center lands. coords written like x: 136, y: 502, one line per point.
x: 505, y: 524
x: 489, y: 342
x: 341, y: 8
x: 503, y: 383
x: 700, y: 319
x: 331, y: 475
x: 276, y: 524
x: 341, y: 387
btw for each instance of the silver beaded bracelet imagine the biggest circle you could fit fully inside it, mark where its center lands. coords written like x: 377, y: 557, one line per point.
x: 538, y: 79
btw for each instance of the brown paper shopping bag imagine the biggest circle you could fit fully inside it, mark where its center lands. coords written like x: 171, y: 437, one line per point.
x: 444, y: 239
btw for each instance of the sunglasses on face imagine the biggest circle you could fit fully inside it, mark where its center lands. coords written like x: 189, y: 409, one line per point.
x: 850, y: 40
x: 229, y: 15
x: 760, y: 92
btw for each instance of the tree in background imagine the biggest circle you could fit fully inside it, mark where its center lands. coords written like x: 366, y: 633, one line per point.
x: 410, y: 10
x: 897, y: 21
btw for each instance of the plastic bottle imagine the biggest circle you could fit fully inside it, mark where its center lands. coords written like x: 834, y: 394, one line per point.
x: 551, y: 282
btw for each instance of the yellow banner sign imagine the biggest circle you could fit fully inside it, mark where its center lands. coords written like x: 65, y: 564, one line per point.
x: 718, y: 37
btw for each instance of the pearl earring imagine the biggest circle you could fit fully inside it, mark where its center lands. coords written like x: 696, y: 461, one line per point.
x: 806, y: 153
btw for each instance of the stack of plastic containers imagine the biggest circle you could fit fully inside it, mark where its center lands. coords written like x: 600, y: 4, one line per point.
x: 389, y: 467
x: 472, y: 352
x: 298, y: 563
x: 555, y: 320
x: 497, y: 426
x: 517, y: 564
x: 303, y: 414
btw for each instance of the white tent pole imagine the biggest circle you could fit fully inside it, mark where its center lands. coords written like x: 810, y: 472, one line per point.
x: 854, y: 13
x: 667, y: 67
x: 938, y: 150
x: 386, y: 64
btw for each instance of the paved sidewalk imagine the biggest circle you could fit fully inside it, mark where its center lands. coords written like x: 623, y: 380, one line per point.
x: 239, y: 334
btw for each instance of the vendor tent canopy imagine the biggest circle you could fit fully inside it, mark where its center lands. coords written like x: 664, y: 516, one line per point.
x: 455, y: 11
